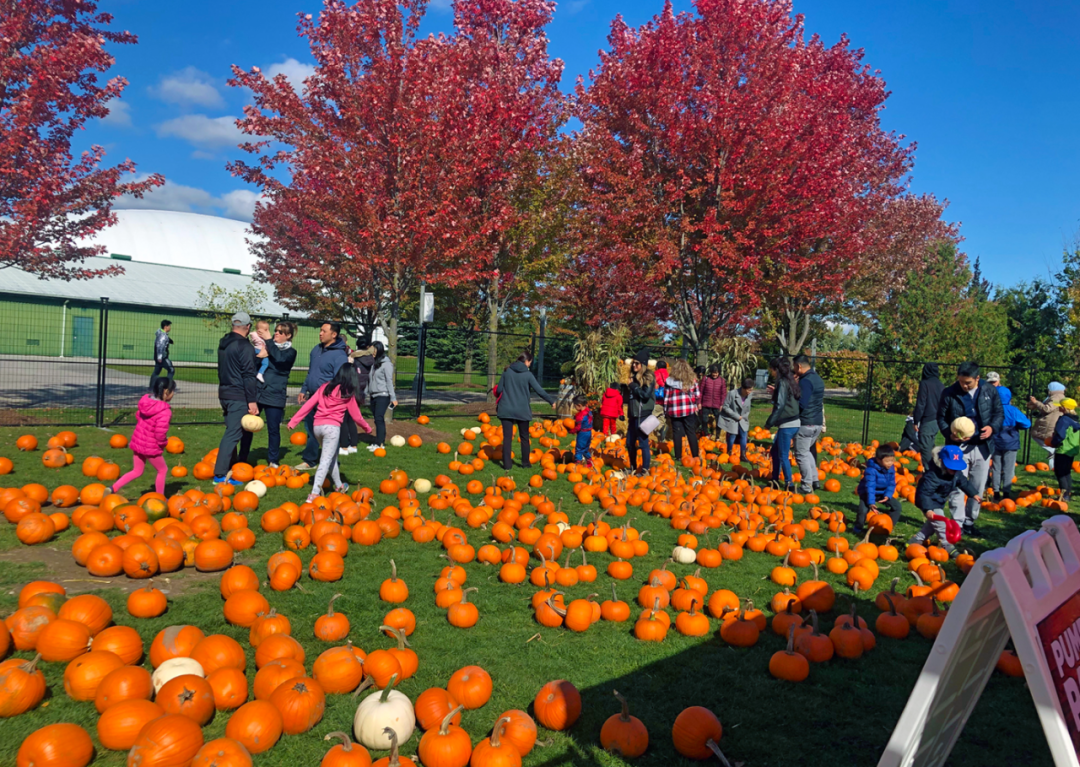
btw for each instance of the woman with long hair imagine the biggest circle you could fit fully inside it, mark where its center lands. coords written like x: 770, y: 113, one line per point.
x: 331, y: 402
x: 784, y: 418
x: 640, y: 398
x: 513, y: 394
x: 682, y: 400
x: 381, y: 390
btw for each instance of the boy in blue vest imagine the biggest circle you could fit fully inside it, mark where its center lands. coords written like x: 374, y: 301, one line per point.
x: 583, y: 426
x: 877, y: 486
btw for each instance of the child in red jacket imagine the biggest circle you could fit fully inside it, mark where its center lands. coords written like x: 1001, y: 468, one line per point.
x: 611, y: 408
x: 150, y: 435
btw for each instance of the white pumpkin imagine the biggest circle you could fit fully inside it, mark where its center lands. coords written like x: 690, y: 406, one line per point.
x: 466, y: 432
x: 684, y: 555
x: 380, y: 710
x: 251, y: 423
x: 422, y: 485
x: 613, y: 438
x: 397, y: 441
x: 257, y: 487
x: 175, y: 667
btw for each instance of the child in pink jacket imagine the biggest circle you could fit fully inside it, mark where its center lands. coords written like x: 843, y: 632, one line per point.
x: 151, y: 434
x: 331, y: 402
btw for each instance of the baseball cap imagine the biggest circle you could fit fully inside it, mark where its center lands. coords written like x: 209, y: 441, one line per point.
x: 241, y: 318
x: 952, y: 458
x: 993, y: 377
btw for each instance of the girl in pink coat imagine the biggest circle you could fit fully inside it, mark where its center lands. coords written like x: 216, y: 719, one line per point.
x: 151, y: 434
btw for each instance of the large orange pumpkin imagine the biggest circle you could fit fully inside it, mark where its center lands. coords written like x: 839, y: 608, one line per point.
x: 170, y: 739
x: 66, y: 745
x: 119, y: 726
x: 257, y: 725
x: 84, y: 674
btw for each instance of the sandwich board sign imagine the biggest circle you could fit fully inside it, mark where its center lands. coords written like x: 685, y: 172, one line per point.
x: 1029, y: 591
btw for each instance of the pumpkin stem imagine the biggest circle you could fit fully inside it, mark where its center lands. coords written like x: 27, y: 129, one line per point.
x: 693, y: 602
x: 346, y: 740
x: 390, y: 733
x: 330, y: 607
x: 567, y: 565
x: 500, y: 726
x: 393, y: 571
x: 814, y: 564
x: 585, y: 562
x: 368, y: 681
x: 892, y: 607
x: 791, y: 638
x: 614, y: 596
x: 465, y: 595
x: 813, y: 622
x: 625, y: 716
x: 444, y: 728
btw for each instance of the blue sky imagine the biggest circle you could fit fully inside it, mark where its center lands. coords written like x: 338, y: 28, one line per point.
x: 988, y: 90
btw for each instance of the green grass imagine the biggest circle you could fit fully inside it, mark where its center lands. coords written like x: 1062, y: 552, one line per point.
x: 843, y: 714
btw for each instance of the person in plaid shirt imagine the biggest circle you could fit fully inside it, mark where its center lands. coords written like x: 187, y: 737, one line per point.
x: 682, y: 401
x: 583, y: 426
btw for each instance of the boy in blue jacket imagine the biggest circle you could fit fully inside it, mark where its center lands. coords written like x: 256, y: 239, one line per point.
x: 1006, y: 445
x: 876, y: 487
x: 940, y: 479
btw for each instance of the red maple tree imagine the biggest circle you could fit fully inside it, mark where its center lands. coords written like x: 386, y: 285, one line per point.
x: 51, y: 54
x: 731, y: 163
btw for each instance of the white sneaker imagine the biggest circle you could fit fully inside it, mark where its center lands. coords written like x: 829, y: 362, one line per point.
x: 372, y: 448
x: 352, y: 450
x: 343, y: 451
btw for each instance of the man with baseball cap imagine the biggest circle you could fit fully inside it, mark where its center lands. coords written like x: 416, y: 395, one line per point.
x: 994, y: 379
x: 237, y: 387
x: 978, y: 401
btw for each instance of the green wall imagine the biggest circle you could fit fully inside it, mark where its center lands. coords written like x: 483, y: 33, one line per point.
x: 41, y: 327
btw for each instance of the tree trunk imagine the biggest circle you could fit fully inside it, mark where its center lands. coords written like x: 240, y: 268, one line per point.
x: 493, y: 347
x: 703, y: 357
x: 470, y: 341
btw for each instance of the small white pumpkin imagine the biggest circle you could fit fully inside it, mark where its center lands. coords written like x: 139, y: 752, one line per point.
x: 465, y: 433
x: 422, y: 485
x: 613, y: 438
x: 381, y: 710
x: 684, y: 555
x: 252, y: 423
x: 257, y: 487
x: 175, y: 667
x: 397, y: 441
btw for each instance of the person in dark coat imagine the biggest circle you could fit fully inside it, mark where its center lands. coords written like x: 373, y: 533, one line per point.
x: 811, y: 422
x: 942, y: 478
x: 980, y: 402
x: 363, y: 359
x: 273, y: 389
x: 237, y: 391
x: 713, y: 395
x: 513, y: 409
x: 924, y: 417
x: 784, y: 418
x: 1063, y: 456
x: 640, y: 399
x: 323, y: 363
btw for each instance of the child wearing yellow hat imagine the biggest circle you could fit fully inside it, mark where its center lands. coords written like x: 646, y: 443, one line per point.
x: 1066, y: 441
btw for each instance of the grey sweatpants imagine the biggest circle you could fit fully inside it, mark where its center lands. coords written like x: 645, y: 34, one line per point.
x: 806, y: 456
x: 932, y: 527
x: 1004, y: 470
x: 977, y: 472
x: 328, y: 437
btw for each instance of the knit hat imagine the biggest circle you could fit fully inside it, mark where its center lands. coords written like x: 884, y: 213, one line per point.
x: 1055, y: 386
x: 642, y: 357
x: 963, y: 428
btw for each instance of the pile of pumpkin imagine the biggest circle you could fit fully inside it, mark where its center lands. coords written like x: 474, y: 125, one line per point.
x: 158, y: 716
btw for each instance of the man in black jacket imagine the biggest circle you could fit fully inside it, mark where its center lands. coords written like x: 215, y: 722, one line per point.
x: 811, y: 422
x: 237, y: 386
x: 980, y: 402
x: 926, y: 410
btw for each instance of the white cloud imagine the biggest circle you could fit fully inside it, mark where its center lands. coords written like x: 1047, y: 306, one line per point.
x: 238, y: 204
x: 202, y: 131
x: 119, y: 115
x: 188, y: 87
x: 443, y: 6
x: 295, y: 72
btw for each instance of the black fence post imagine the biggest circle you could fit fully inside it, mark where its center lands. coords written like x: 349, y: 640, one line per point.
x: 421, y: 354
x: 103, y: 352
x: 1033, y: 377
x: 866, y: 405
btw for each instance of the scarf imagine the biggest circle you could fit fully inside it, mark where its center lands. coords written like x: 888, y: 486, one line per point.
x: 284, y: 346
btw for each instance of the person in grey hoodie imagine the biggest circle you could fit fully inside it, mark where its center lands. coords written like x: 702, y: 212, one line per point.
x: 512, y: 395
x: 381, y: 390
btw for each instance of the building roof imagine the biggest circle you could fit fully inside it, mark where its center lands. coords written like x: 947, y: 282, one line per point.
x: 179, y: 239
x: 141, y: 283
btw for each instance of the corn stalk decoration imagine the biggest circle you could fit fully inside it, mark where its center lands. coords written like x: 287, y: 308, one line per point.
x: 598, y: 358
x: 736, y: 358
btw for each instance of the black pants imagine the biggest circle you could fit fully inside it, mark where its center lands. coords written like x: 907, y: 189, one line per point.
x: 891, y: 507
x: 274, y: 416
x: 234, y: 411
x: 635, y: 437
x: 687, y: 425
x: 508, y: 442
x: 1063, y: 472
x: 703, y: 421
x: 350, y: 437
x: 311, y: 453
x: 928, y: 432
x: 165, y: 365
x: 378, y: 413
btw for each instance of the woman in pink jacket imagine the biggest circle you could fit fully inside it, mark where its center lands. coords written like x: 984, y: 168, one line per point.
x: 331, y: 402
x: 151, y: 434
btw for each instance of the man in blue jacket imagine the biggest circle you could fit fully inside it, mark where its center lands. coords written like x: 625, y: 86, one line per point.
x: 327, y: 356
x: 811, y: 422
x: 1006, y: 445
x: 979, y: 401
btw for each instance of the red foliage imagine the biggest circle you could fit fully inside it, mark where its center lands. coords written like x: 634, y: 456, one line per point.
x: 52, y: 53
x: 731, y: 163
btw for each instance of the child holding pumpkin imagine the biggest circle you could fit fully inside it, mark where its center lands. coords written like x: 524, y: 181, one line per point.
x: 151, y: 433
x: 877, y: 486
x: 331, y: 402
x: 944, y: 475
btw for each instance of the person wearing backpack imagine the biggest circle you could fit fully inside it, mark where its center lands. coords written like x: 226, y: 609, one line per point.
x: 1066, y: 444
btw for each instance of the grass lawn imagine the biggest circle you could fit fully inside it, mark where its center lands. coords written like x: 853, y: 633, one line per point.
x: 843, y: 714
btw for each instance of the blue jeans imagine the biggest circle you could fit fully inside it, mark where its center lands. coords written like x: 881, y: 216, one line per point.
x: 582, y: 453
x: 781, y: 453
x: 635, y: 437
x: 741, y: 436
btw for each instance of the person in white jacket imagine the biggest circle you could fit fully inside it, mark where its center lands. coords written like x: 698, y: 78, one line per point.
x: 382, y: 394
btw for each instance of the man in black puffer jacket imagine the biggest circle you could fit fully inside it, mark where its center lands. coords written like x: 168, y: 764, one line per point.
x: 980, y: 402
x: 926, y: 410
x: 237, y: 387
